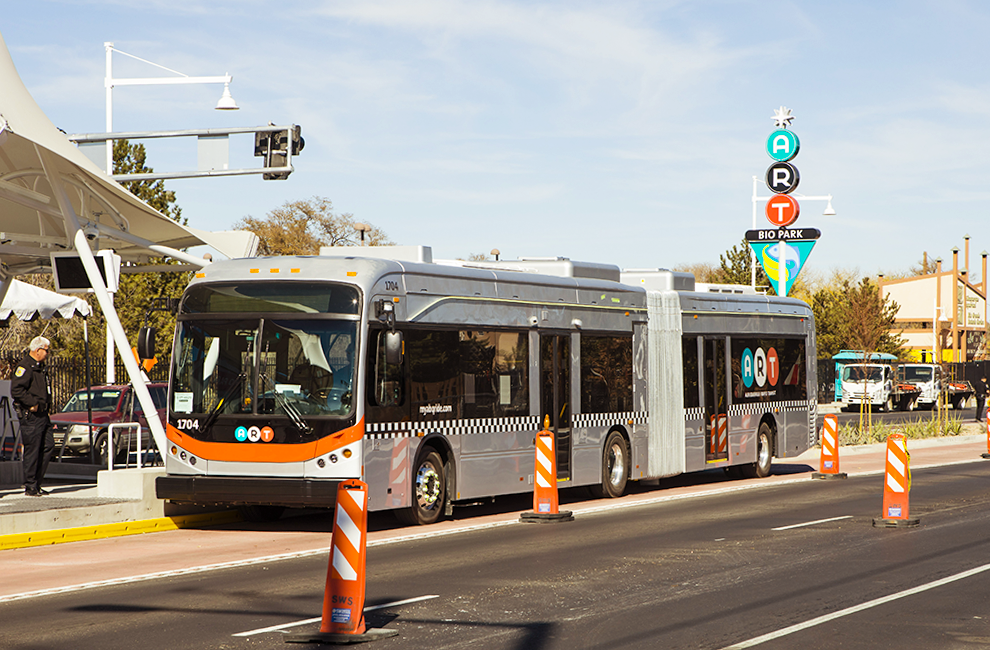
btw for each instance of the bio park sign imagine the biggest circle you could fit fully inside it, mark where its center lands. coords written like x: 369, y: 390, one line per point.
x: 783, y: 252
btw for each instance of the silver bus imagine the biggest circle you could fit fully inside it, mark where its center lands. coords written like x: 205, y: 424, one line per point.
x: 429, y: 380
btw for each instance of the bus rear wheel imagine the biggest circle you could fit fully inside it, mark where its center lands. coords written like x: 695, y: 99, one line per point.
x: 764, y: 454
x: 615, y: 467
x: 429, y: 492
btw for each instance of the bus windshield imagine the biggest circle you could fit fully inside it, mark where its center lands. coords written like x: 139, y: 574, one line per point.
x: 264, y: 366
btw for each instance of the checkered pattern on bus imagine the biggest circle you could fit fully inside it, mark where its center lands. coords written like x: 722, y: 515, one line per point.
x: 386, y: 430
x: 608, y: 419
x: 759, y: 408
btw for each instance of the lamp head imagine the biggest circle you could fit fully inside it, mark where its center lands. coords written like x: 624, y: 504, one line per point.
x: 227, y: 102
x: 829, y: 210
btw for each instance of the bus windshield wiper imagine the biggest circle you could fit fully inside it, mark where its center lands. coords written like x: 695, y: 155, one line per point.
x: 290, y: 410
x: 215, y: 412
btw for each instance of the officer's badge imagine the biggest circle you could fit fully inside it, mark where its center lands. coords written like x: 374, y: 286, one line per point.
x: 19, y: 372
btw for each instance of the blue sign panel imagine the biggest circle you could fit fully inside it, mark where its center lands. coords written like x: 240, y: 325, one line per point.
x: 782, y: 261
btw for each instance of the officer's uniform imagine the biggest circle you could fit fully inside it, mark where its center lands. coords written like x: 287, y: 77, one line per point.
x: 29, y: 389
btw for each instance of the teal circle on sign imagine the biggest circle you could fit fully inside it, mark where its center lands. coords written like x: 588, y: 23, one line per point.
x: 783, y: 145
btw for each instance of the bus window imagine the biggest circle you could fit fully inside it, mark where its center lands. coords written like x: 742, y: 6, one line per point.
x: 606, y: 374
x: 689, y: 349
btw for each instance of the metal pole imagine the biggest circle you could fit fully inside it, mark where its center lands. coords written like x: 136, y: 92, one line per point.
x: 752, y: 253
x: 108, y: 82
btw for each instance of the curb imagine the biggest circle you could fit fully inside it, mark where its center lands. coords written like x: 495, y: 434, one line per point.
x: 102, y: 531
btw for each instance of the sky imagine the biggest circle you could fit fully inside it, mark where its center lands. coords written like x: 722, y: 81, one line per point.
x: 619, y: 132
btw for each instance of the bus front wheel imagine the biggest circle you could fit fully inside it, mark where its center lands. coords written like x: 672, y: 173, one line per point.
x: 429, y: 492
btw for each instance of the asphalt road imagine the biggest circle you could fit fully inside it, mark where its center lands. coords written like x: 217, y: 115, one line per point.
x: 702, y: 572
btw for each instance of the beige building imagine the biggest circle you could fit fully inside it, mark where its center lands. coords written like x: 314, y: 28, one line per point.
x: 943, y: 311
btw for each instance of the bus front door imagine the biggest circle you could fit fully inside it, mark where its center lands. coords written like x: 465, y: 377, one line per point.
x: 555, y: 392
x: 716, y: 402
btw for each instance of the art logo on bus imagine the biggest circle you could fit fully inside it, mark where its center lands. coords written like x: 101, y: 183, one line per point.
x: 761, y: 367
x: 254, y: 434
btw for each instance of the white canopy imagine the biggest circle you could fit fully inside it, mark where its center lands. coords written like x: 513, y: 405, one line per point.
x: 27, y: 302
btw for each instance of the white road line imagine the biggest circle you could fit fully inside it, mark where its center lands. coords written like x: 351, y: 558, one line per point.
x: 857, y: 608
x: 812, y: 523
x: 276, y: 628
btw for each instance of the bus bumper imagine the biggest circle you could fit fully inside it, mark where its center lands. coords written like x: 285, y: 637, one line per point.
x: 222, y: 490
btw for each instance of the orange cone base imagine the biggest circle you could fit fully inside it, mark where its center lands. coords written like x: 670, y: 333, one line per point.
x: 546, y: 517
x: 371, y: 634
x: 896, y: 523
x: 829, y: 475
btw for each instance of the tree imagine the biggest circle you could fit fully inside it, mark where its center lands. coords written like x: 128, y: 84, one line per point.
x: 851, y: 316
x: 735, y: 268
x: 302, y: 227
x: 871, y: 319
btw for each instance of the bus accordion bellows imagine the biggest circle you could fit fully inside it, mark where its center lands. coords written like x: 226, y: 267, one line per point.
x: 430, y: 380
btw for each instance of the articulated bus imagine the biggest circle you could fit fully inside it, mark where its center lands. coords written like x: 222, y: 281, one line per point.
x: 430, y: 380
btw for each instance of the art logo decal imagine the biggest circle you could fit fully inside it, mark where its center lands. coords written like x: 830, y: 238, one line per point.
x: 760, y: 367
x: 254, y: 434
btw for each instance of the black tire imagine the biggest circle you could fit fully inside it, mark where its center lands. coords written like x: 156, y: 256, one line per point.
x: 429, y: 492
x: 615, y: 467
x: 259, y: 514
x: 957, y: 403
x: 764, y: 454
x: 100, y: 444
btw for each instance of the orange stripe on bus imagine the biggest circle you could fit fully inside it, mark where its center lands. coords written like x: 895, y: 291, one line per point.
x: 260, y: 452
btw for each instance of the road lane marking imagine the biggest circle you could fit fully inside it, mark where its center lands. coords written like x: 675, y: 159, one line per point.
x: 812, y: 523
x: 858, y: 608
x: 276, y: 628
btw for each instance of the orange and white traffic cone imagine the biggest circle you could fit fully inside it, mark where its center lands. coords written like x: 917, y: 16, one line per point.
x: 545, y: 503
x: 897, y: 485
x: 828, y: 466
x: 343, y: 599
x: 987, y: 455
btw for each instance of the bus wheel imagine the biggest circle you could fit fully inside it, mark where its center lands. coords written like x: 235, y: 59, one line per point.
x: 428, y: 492
x: 259, y: 514
x: 615, y: 467
x: 764, y: 455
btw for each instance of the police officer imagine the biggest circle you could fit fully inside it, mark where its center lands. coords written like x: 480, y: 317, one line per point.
x: 32, y: 399
x: 981, y: 397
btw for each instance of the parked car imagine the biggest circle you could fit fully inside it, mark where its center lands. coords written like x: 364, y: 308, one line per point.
x: 110, y: 405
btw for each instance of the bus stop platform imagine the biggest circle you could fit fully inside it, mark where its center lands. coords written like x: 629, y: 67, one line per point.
x: 122, y: 502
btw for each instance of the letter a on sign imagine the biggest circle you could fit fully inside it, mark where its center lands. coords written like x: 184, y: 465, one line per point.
x: 783, y: 145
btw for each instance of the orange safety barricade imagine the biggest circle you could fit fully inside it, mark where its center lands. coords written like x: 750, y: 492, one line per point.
x: 897, y: 484
x: 343, y: 598
x: 720, y: 435
x: 828, y: 466
x: 545, y: 501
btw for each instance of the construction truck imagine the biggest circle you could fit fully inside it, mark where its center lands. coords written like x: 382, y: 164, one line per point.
x: 928, y: 378
x: 876, y: 384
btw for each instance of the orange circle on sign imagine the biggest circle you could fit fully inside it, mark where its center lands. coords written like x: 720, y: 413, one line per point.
x: 773, y: 367
x: 267, y: 434
x: 782, y: 210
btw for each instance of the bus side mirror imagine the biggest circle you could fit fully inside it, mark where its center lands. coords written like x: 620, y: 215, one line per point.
x: 146, y: 343
x: 393, y: 348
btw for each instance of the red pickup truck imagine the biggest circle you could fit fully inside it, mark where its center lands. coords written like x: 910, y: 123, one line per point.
x: 110, y: 404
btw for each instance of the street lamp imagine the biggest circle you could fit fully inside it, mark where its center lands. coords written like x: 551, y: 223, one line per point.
x: 829, y: 212
x: 226, y: 102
